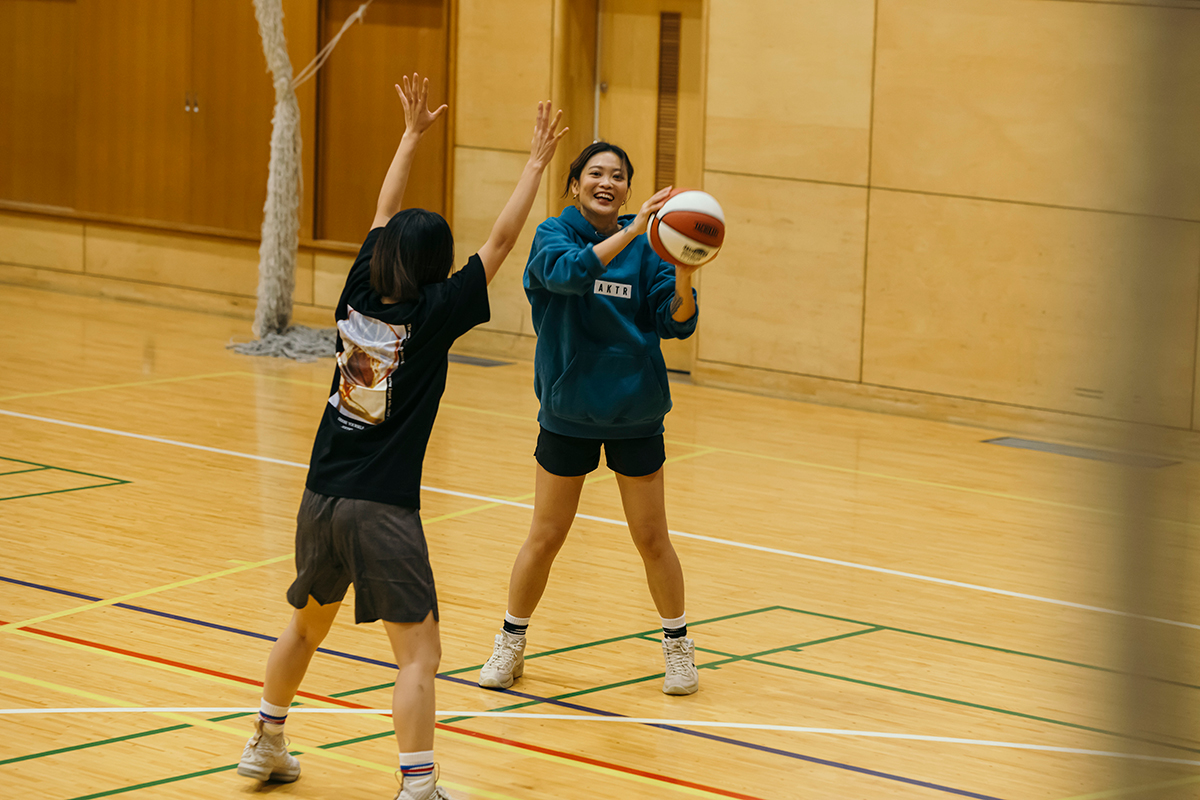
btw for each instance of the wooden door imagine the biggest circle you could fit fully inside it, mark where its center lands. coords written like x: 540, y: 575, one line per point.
x: 361, y: 119
x: 652, y: 104
x: 37, y: 102
x: 134, y: 131
x: 231, y: 117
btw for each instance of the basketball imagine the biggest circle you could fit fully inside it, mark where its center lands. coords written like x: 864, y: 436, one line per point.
x: 689, y: 229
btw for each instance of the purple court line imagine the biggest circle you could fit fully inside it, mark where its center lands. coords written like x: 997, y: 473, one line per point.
x: 546, y: 700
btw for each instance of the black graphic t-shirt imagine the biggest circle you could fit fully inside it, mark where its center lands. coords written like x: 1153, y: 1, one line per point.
x: 390, y: 376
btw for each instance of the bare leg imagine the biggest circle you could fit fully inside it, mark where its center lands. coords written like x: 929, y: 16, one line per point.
x: 417, y: 648
x: 646, y: 513
x: 554, y: 506
x: 294, y: 650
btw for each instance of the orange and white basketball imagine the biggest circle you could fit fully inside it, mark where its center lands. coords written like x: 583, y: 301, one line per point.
x: 689, y: 229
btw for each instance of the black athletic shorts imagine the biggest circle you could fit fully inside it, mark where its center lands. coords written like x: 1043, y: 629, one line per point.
x: 570, y: 456
x: 378, y: 547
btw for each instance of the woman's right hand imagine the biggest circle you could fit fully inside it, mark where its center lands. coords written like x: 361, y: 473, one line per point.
x: 649, y: 208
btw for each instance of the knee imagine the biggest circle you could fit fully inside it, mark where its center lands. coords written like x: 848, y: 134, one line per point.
x: 425, y: 659
x: 545, y: 541
x: 652, y: 544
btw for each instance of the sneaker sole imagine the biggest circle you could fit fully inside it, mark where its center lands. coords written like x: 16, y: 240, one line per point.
x: 677, y: 691
x: 260, y: 774
x: 493, y: 683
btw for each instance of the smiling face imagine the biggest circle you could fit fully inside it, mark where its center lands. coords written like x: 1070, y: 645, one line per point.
x: 602, y: 188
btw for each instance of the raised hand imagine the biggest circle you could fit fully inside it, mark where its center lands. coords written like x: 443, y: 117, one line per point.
x: 545, y: 140
x: 414, y: 96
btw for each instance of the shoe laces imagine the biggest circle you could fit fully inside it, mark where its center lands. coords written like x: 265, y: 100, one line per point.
x: 678, y: 657
x: 508, y: 649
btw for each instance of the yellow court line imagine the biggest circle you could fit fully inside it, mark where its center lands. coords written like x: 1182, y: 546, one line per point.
x: 1134, y: 789
x: 122, y: 385
x: 748, y: 454
x: 325, y: 753
x: 239, y: 733
x: 581, y: 765
x: 844, y: 470
x: 938, y: 485
x: 12, y: 626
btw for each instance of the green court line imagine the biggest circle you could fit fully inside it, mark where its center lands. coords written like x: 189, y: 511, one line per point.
x: 115, y: 739
x: 1150, y: 787
x: 73, y: 748
x: 59, y: 469
x: 61, y: 491
x: 352, y: 692
x: 22, y: 471
x: 756, y: 658
x: 160, y: 782
x: 41, y: 467
x: 624, y: 638
x: 968, y: 704
x: 991, y: 647
x: 714, y: 664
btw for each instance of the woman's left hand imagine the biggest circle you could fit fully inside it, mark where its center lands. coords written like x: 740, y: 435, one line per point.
x: 414, y: 95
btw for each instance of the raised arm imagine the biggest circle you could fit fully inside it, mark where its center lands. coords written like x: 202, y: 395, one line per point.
x: 512, y: 219
x: 414, y: 95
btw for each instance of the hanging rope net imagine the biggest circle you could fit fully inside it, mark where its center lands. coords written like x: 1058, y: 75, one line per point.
x: 281, y: 218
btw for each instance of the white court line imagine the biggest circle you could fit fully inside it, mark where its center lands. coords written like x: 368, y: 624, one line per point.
x: 689, y: 723
x: 711, y: 539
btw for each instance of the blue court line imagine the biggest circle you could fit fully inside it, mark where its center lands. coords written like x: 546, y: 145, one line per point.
x: 524, y: 695
x: 738, y: 742
x: 192, y: 621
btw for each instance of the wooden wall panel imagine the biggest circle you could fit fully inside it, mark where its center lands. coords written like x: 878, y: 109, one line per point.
x: 133, y: 131
x: 574, y: 78
x: 629, y: 106
x: 37, y: 101
x: 231, y: 132
x: 302, y: 26
x: 786, y: 291
x: 165, y: 259
x: 484, y: 180
x: 361, y: 119
x: 1030, y: 305
x: 35, y: 242
x: 1075, y: 104
x: 789, y: 88
x: 504, y: 66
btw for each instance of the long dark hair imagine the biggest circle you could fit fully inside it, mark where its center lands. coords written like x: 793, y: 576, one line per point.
x: 416, y: 248
x: 592, y: 149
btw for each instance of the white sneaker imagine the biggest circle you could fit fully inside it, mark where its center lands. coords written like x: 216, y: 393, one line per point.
x: 681, y: 677
x: 506, y: 664
x: 438, y: 793
x: 266, y: 757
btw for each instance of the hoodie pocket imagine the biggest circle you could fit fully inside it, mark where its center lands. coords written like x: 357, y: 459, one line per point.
x: 609, y: 388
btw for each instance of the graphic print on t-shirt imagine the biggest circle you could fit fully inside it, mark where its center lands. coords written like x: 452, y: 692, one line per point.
x: 371, y: 351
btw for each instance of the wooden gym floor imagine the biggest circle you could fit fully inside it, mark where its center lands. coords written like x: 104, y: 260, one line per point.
x: 848, y: 573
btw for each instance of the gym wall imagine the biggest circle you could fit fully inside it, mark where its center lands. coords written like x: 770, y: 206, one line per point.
x: 940, y: 207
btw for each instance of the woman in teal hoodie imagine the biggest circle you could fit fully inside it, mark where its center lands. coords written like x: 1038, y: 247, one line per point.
x: 602, y: 301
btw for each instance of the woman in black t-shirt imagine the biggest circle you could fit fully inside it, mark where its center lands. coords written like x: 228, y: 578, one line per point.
x: 398, y: 315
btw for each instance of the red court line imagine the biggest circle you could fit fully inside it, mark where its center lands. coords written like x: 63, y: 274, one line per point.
x: 347, y: 704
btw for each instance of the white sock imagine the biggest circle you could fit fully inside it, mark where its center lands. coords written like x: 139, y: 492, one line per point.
x: 516, y: 626
x: 272, y: 717
x: 417, y: 771
x: 677, y: 626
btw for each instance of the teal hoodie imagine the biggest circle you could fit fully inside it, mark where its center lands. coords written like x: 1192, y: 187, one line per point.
x: 599, y: 371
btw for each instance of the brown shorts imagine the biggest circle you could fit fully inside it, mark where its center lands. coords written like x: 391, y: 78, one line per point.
x: 378, y: 547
